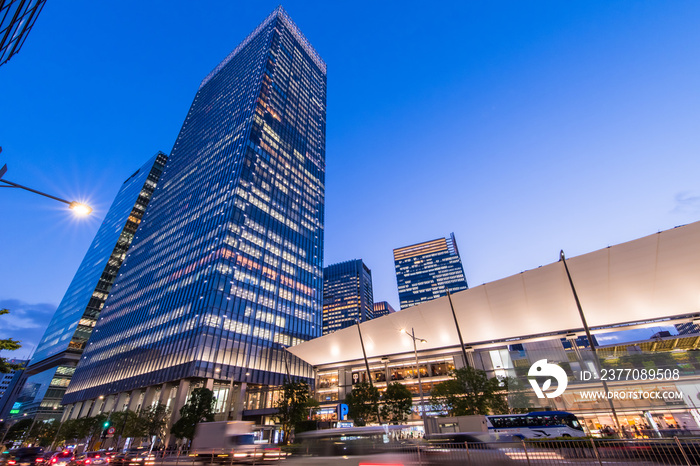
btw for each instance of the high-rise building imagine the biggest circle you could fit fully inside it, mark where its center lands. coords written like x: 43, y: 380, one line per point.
x: 226, y: 270
x: 11, y: 385
x: 17, y: 17
x: 59, y: 350
x: 382, y: 308
x: 347, y: 295
x: 426, y: 271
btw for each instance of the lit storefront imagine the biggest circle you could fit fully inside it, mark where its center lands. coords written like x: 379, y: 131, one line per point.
x: 510, y: 324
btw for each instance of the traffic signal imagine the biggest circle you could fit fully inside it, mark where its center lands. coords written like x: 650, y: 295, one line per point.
x: 106, y: 424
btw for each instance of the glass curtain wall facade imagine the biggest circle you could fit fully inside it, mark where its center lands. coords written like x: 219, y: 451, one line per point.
x: 59, y: 350
x: 426, y: 271
x: 347, y: 295
x: 226, y: 269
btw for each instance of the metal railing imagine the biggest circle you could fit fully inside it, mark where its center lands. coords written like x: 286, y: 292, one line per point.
x: 584, y: 452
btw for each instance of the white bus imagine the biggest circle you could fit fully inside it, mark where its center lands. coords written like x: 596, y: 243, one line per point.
x: 538, y: 424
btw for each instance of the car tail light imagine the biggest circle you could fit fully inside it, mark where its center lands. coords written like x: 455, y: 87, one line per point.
x: 39, y: 460
x: 53, y: 460
x: 11, y: 462
x: 87, y: 461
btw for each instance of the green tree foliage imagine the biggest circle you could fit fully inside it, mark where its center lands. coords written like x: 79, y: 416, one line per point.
x: 363, y: 403
x: 8, y: 345
x: 519, y: 399
x: 199, y: 408
x: 127, y: 424
x: 43, y: 432
x: 470, y: 392
x: 293, y: 406
x: 17, y: 430
x: 397, y: 403
x: 155, y: 420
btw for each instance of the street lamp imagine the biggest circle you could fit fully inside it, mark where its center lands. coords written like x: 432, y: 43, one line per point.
x: 420, y: 386
x: 77, y: 207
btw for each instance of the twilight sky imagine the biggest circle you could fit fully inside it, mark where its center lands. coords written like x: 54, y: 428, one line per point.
x: 522, y: 127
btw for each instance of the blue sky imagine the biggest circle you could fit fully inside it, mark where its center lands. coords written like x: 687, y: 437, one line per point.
x: 522, y: 127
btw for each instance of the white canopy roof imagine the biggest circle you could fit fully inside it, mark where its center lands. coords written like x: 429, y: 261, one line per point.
x: 649, y: 278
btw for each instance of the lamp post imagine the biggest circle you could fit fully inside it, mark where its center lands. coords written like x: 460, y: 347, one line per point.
x: 78, y: 207
x: 591, y: 343
x: 420, y: 385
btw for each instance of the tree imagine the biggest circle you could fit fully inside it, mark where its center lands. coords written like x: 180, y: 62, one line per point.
x: 155, y: 420
x: 127, y: 424
x: 199, y: 407
x: 293, y: 406
x: 43, y: 432
x: 518, y: 396
x: 397, y: 403
x: 470, y: 392
x: 8, y: 344
x: 17, y: 430
x: 363, y: 403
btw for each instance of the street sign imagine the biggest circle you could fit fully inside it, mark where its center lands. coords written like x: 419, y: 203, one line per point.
x: 3, y: 170
x: 111, y: 431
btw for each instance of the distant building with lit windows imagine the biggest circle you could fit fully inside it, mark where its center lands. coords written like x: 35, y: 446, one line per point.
x: 226, y: 270
x: 426, y: 271
x: 347, y: 295
x: 51, y: 367
x: 382, y: 308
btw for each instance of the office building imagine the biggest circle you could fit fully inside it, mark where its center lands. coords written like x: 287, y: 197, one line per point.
x: 510, y: 324
x: 428, y: 270
x: 347, y: 295
x: 52, y: 365
x: 17, y: 17
x: 382, y: 308
x: 226, y: 270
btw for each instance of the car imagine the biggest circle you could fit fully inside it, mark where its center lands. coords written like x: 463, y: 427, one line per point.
x: 5, y: 456
x: 27, y: 456
x: 93, y: 458
x: 61, y: 458
x: 135, y: 457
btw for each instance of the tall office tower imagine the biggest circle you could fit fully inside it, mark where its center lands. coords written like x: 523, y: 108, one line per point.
x: 17, y: 17
x: 382, y: 308
x: 426, y: 271
x: 226, y: 269
x: 10, y: 385
x: 347, y: 295
x: 59, y: 350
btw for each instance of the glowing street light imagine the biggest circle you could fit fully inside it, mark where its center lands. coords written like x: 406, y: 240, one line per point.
x: 78, y: 208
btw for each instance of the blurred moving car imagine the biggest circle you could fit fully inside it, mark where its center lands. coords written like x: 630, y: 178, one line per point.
x: 353, y: 446
x: 5, y: 456
x: 61, y: 458
x: 27, y: 456
x: 95, y: 458
x: 135, y: 457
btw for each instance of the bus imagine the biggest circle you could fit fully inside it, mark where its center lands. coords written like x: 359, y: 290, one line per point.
x: 538, y: 424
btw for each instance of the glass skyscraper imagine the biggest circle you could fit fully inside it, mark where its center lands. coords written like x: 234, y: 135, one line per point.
x: 347, y: 295
x: 59, y: 350
x: 226, y: 269
x: 428, y: 270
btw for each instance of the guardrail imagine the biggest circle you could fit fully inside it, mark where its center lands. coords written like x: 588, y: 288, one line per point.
x: 584, y: 452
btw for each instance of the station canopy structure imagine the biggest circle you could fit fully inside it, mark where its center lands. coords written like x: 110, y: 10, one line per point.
x: 650, y: 279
